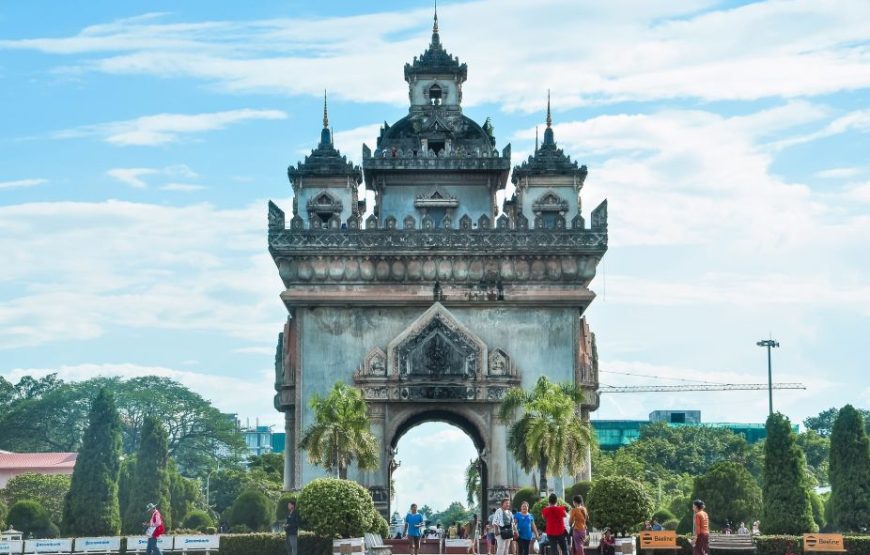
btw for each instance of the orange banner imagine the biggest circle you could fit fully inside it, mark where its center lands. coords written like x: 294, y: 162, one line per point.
x: 655, y: 540
x: 823, y: 542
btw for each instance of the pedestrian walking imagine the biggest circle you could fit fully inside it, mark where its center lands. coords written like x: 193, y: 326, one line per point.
x: 504, y: 520
x: 490, y: 533
x: 414, y: 529
x: 473, y: 533
x: 701, y: 536
x: 526, y: 529
x: 578, y: 518
x: 554, y: 515
x: 154, y: 529
x: 291, y: 528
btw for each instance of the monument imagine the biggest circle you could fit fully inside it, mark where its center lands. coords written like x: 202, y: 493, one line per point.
x: 435, y: 300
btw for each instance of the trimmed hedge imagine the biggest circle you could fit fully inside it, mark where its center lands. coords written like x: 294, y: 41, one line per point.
x: 272, y: 544
x: 781, y: 545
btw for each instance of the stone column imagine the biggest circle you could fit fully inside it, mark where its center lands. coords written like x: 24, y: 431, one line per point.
x: 497, y: 463
x: 290, y: 449
x: 376, y: 479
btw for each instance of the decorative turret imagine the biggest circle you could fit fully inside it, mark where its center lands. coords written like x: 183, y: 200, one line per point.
x: 435, y: 77
x: 548, y: 184
x: 325, y: 184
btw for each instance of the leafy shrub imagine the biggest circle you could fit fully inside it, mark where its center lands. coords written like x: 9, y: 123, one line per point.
x: 3, y: 511
x: 240, y: 529
x: 379, y: 525
x: 331, y: 507
x: 30, y: 517
x: 253, y: 509
x: 671, y: 524
x: 664, y: 515
x: 857, y: 545
x: 198, y: 520
x: 618, y: 503
x: 778, y: 545
x: 273, y: 544
x: 283, y: 501
x: 529, y: 495
x: 730, y: 493
x: 536, y: 512
x: 580, y: 488
x: 818, y: 509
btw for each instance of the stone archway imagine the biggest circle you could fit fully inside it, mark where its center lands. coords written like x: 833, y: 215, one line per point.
x: 437, y: 369
x: 467, y: 420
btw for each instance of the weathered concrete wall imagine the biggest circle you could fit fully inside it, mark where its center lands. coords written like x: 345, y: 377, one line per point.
x: 335, y: 340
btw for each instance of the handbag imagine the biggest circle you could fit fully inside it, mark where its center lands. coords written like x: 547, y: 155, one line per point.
x: 507, y: 531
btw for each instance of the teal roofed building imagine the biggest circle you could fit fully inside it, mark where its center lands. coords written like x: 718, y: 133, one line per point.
x: 613, y: 434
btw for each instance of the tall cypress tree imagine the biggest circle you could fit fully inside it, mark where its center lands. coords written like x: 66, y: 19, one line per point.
x: 91, y: 505
x: 150, y: 478
x: 850, y: 472
x: 786, y: 506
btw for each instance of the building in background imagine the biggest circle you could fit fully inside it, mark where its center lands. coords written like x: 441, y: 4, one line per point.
x: 613, y: 434
x: 14, y: 464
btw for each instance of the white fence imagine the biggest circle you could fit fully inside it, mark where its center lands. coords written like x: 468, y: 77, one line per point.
x: 110, y: 544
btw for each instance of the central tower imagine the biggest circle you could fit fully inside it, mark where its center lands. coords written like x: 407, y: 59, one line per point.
x: 435, y: 300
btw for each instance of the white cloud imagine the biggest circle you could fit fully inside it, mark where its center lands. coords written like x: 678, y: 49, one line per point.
x: 131, y: 176
x: 21, y: 183
x: 187, y: 268
x: 182, y: 187
x: 161, y: 129
x: 654, y: 50
x: 838, y: 173
x: 350, y: 141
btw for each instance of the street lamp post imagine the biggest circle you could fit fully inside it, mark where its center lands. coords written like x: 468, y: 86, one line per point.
x: 770, y: 344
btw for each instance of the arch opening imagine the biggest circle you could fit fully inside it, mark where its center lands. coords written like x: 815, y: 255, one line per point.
x: 432, y: 451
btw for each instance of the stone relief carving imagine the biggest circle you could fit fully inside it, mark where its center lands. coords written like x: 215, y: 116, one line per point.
x: 499, y: 363
x: 374, y: 364
x: 436, y: 345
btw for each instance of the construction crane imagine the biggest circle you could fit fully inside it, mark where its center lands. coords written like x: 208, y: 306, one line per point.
x: 697, y: 387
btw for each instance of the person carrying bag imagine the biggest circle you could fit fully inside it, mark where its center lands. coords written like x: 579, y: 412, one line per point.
x: 505, y: 521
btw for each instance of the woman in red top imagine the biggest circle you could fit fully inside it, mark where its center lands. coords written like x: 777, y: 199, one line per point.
x: 554, y: 515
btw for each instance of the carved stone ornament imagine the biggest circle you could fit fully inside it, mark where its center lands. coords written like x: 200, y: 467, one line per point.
x: 437, y: 346
x: 499, y: 363
x: 375, y: 364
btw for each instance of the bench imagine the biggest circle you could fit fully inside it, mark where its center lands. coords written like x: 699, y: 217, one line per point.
x: 375, y: 545
x: 456, y: 546
x: 731, y: 542
x: 349, y: 545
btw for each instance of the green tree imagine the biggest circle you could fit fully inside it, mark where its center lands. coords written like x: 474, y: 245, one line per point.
x: 551, y: 434
x: 271, y: 464
x: 185, y: 495
x: 29, y: 517
x: 252, y: 509
x: 730, y: 494
x: 786, y: 505
x: 48, y: 490
x: 198, y: 520
x: 618, y: 503
x: 455, y: 512
x: 150, y: 478
x: 850, y: 472
x: 817, y: 449
x: 91, y: 506
x: 341, y: 432
x: 3, y: 509
x: 125, y: 482
x: 472, y: 483
x: 224, y: 486
x: 823, y: 423
x: 48, y: 414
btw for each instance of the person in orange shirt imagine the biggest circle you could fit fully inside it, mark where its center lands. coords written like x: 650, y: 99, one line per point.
x: 577, y: 519
x: 701, y: 537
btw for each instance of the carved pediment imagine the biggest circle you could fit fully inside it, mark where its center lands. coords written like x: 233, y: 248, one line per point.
x: 374, y: 364
x: 435, y: 198
x: 437, y: 346
x: 550, y: 202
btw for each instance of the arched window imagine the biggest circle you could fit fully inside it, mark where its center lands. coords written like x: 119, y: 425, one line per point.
x: 435, y: 94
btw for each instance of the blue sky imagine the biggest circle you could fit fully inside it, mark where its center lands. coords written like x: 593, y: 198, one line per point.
x: 141, y: 141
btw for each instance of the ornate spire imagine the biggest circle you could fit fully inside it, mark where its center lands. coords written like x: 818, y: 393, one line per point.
x: 326, y: 132
x: 536, y: 138
x: 548, y: 132
x: 435, y: 23
x: 549, y: 117
x: 325, y: 114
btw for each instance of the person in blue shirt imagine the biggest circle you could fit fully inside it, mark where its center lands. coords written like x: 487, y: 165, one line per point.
x: 414, y: 529
x: 656, y: 526
x: 526, y: 528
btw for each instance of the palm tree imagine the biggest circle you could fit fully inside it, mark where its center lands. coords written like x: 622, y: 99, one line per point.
x: 550, y: 434
x: 340, y: 433
x: 472, y: 482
